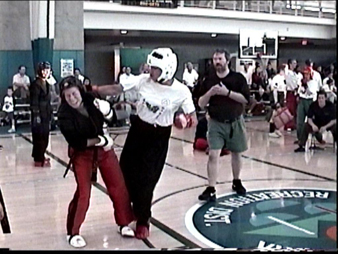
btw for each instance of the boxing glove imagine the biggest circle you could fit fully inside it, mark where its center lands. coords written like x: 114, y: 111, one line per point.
x: 104, y: 107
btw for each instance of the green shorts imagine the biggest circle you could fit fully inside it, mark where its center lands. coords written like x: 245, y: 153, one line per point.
x: 219, y: 135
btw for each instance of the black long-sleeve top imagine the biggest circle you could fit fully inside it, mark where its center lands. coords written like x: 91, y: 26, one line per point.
x: 77, y: 128
x: 40, y: 99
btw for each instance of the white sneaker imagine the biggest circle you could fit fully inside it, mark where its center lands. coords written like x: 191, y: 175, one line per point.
x: 273, y: 135
x: 126, y: 231
x: 76, y: 241
x: 11, y: 130
x: 279, y: 133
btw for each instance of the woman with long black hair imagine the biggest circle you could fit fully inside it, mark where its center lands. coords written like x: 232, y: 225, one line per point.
x: 41, y: 113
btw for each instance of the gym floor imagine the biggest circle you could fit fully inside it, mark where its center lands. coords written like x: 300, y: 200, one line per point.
x: 291, y: 197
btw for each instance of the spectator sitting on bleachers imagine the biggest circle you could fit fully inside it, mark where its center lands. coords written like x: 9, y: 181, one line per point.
x: 21, y: 85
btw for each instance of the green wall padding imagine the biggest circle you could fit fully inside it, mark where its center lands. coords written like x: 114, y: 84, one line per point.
x: 42, y: 50
x: 134, y: 58
x: 10, y: 61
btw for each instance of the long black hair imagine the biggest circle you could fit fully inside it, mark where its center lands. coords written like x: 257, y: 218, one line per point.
x: 41, y: 66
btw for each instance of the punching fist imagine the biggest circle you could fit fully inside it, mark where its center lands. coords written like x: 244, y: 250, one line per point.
x: 106, y: 142
x: 104, y: 107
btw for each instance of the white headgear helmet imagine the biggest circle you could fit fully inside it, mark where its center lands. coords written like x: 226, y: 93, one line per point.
x: 166, y: 60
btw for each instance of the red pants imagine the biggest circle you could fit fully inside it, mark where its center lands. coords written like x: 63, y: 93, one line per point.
x: 291, y: 103
x: 113, y: 178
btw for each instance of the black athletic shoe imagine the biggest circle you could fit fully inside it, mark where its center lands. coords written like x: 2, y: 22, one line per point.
x: 300, y: 149
x: 209, y: 194
x: 238, y: 187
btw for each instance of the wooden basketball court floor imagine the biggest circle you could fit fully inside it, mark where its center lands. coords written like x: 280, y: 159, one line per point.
x: 36, y: 199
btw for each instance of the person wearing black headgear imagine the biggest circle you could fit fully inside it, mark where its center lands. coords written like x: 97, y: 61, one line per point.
x: 41, y: 112
x: 80, y: 118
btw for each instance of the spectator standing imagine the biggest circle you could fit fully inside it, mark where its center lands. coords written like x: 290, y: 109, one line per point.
x: 41, y: 112
x: 307, y: 92
x: 247, y: 72
x: 279, y: 86
x: 226, y: 92
x: 190, y: 76
x: 127, y: 76
x: 78, y: 74
x: 292, y: 84
x: 316, y: 76
x: 8, y: 107
x: 270, y: 70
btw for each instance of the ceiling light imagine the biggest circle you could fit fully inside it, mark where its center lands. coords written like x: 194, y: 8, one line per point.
x: 123, y: 31
x: 213, y: 35
x: 282, y: 38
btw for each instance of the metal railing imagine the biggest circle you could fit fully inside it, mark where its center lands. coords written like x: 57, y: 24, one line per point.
x: 305, y: 8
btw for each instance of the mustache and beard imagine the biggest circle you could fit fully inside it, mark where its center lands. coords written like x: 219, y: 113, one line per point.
x: 219, y: 67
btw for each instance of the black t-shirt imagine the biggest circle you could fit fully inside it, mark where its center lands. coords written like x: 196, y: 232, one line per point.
x: 221, y: 107
x: 322, y: 116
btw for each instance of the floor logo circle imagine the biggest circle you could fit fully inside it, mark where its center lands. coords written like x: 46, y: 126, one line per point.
x: 293, y: 219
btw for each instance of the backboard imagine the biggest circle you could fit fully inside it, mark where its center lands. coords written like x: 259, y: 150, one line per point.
x: 256, y: 42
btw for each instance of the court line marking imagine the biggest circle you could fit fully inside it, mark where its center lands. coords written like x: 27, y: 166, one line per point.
x: 290, y: 225
x: 273, y: 164
x: 104, y: 190
x: 325, y: 209
x: 156, y: 223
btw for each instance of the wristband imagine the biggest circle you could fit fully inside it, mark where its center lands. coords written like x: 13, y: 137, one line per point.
x: 103, y: 141
x: 229, y: 93
x: 109, y: 115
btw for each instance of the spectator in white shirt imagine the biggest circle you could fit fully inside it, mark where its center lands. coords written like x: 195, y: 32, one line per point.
x: 330, y: 88
x: 21, y: 84
x: 292, y: 83
x: 78, y: 75
x: 307, y: 92
x: 248, y: 70
x: 279, y: 86
x: 190, y: 76
x: 315, y: 74
x: 127, y: 76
